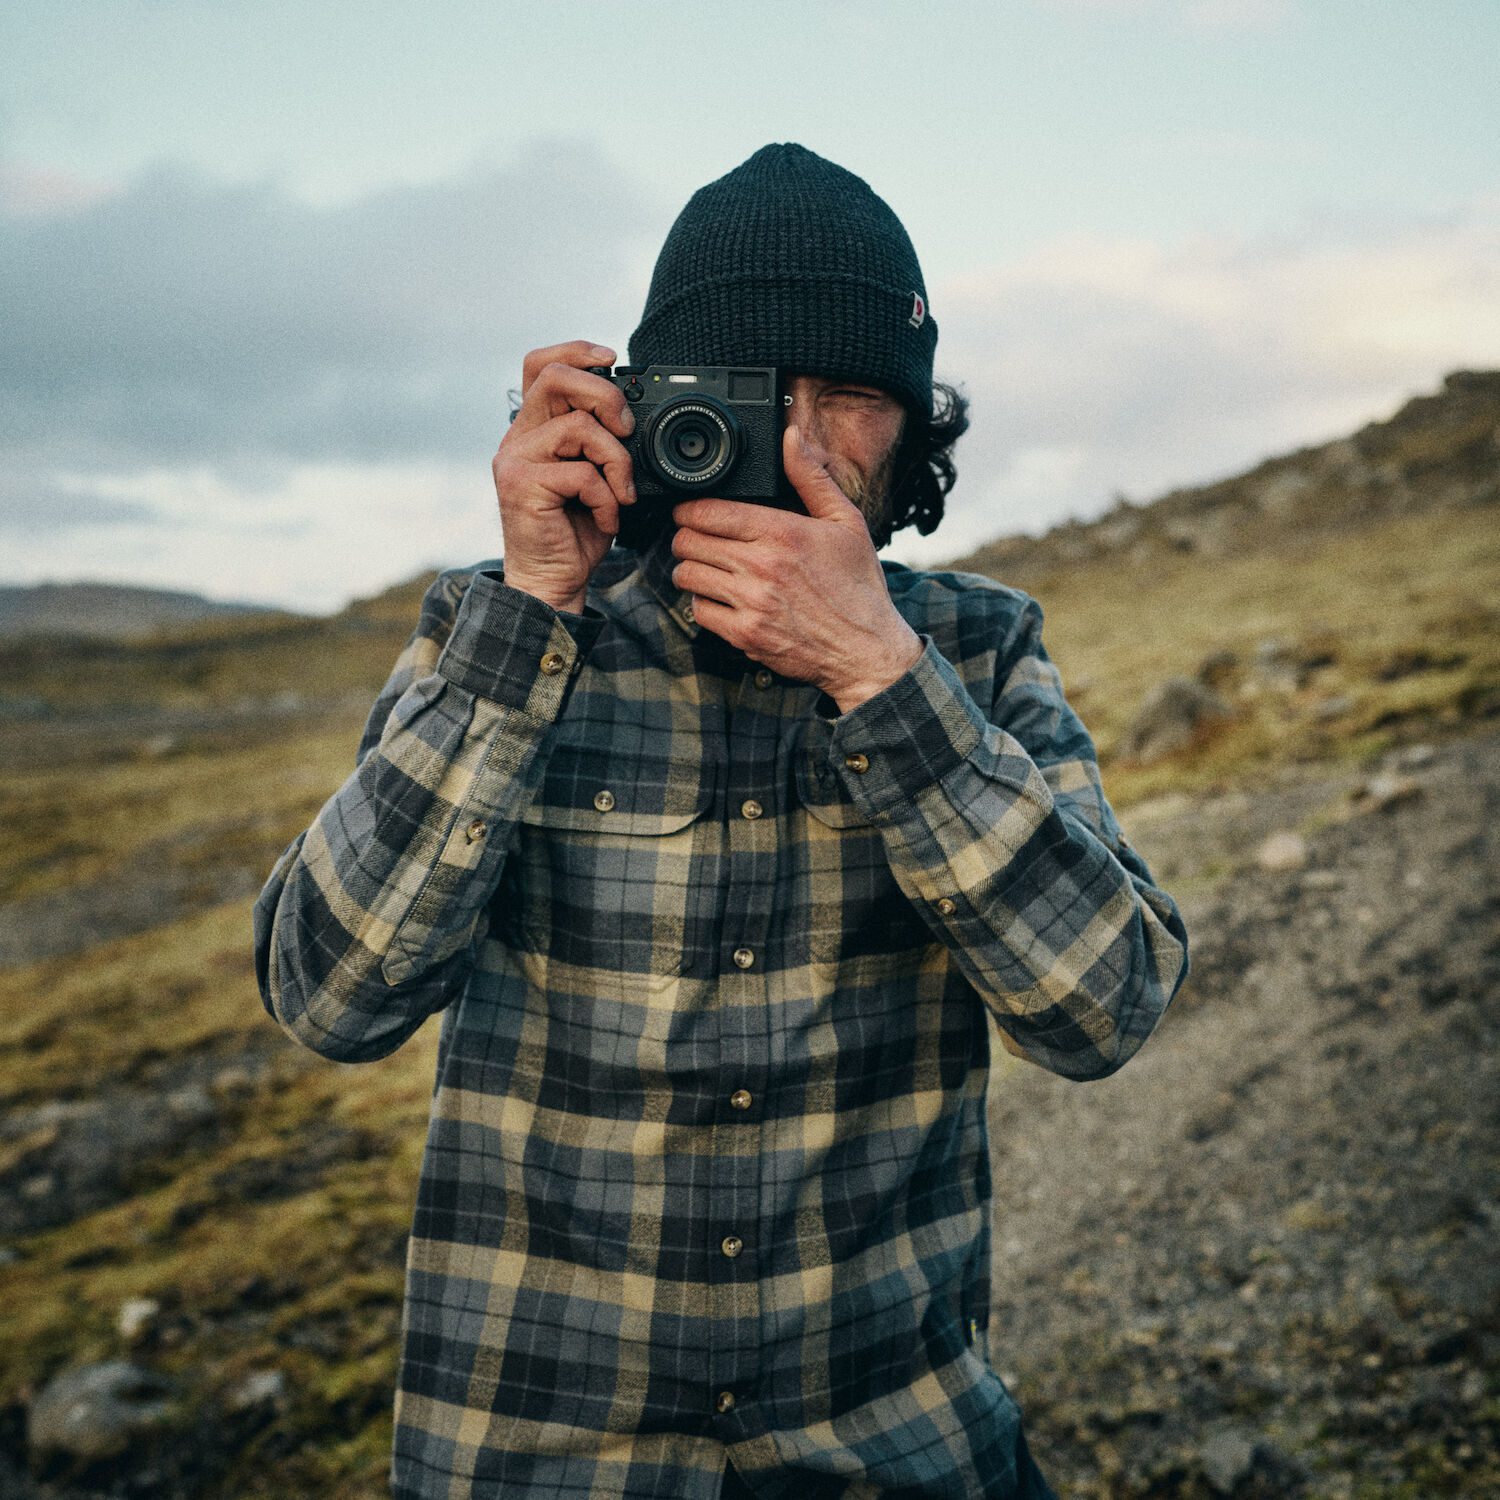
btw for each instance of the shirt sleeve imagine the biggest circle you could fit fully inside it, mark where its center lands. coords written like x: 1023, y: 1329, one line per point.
x: 996, y: 827
x: 367, y: 923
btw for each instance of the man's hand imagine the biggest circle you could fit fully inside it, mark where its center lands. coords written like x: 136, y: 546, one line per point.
x: 562, y: 473
x: 803, y: 595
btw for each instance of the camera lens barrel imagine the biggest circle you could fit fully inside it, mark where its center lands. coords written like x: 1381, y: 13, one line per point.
x: 693, y: 442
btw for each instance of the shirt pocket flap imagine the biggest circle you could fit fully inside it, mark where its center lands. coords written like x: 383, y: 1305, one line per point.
x: 587, y: 790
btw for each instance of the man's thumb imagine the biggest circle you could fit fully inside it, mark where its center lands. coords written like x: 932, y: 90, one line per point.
x: 819, y: 490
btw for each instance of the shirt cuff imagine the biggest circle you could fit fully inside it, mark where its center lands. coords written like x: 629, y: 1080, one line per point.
x: 908, y: 736
x: 510, y: 647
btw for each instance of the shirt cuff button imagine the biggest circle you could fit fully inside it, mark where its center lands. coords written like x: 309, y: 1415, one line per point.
x: 475, y: 831
x: 945, y: 907
x: 857, y: 763
x: 552, y: 663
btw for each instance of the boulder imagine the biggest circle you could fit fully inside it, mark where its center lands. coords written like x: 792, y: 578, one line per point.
x: 1175, y: 714
x: 97, y: 1412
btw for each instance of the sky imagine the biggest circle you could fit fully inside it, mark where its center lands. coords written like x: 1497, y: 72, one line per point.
x: 268, y: 270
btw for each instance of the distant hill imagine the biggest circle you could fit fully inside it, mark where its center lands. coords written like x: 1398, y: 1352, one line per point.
x: 1437, y: 452
x: 104, y: 611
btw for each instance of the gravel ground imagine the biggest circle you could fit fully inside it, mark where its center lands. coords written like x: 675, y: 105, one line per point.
x: 1260, y: 1260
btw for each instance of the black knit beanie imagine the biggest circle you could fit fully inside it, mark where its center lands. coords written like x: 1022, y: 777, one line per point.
x: 791, y: 260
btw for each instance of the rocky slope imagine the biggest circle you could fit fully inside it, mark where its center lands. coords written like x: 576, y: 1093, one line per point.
x: 1438, y: 451
x: 1260, y: 1260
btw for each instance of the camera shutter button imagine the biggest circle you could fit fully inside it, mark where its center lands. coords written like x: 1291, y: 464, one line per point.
x: 633, y: 391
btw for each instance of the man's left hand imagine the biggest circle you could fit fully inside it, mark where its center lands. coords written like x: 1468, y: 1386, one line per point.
x: 803, y: 595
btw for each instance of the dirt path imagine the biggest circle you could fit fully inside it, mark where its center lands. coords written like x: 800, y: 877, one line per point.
x: 1260, y: 1260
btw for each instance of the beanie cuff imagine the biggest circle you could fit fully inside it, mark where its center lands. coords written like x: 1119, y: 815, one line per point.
x: 829, y: 324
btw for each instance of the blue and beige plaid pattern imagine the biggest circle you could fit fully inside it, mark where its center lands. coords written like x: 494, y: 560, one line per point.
x: 707, y: 1167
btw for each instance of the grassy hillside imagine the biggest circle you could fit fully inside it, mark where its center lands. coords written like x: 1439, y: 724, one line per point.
x: 146, y: 792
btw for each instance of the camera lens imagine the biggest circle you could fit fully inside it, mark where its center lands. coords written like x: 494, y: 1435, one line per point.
x: 693, y: 442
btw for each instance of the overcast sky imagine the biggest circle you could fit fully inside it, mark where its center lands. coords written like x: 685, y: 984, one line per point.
x: 268, y: 270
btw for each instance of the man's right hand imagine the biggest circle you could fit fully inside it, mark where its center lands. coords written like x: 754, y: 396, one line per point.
x: 562, y: 473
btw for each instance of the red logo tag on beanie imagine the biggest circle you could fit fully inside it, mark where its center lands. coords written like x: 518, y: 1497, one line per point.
x: 918, y: 310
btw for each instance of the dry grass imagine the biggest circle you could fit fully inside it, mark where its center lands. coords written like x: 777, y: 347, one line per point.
x: 309, y: 1280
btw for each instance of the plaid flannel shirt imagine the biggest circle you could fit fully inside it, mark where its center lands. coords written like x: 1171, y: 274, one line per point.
x: 707, y: 1167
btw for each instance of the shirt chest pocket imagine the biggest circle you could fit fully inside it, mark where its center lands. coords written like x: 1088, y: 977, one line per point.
x: 855, y: 907
x: 604, y: 873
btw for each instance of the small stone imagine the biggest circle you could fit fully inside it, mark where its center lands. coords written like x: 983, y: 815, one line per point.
x: 1385, y: 790
x: 1414, y: 757
x: 233, y: 1080
x: 136, y: 1315
x: 94, y: 1412
x: 259, y: 1388
x: 1217, y: 668
x: 192, y: 1102
x: 1282, y: 851
x: 1333, y: 708
x: 1228, y: 1458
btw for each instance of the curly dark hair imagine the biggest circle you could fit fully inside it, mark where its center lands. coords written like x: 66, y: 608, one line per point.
x: 923, y: 471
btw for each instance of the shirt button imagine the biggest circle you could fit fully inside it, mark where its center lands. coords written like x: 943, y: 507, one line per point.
x: 687, y: 610
x: 731, y: 1245
x: 743, y: 958
x: 857, y: 762
x: 553, y: 663
x: 762, y: 678
x: 604, y: 800
x: 724, y: 1402
x: 750, y: 808
x: 475, y: 831
x: 945, y: 906
x: 740, y: 1098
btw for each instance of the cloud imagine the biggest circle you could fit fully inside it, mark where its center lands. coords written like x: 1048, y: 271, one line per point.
x: 221, y: 387
x: 40, y: 507
x: 1104, y: 366
x: 186, y: 320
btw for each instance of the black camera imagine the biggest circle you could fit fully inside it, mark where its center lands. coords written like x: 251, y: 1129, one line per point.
x: 704, y: 430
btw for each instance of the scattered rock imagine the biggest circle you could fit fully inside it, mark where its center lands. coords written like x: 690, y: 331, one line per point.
x: 96, y: 1412
x: 1228, y: 1458
x: 137, y: 1314
x: 258, y: 1390
x: 1175, y: 714
x: 1282, y: 851
x: 1276, y: 660
x: 1218, y: 669
x: 1385, y: 790
x: 160, y: 746
x: 1414, y: 757
x: 1333, y: 708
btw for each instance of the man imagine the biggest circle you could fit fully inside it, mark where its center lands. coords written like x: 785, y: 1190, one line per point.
x: 713, y: 853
